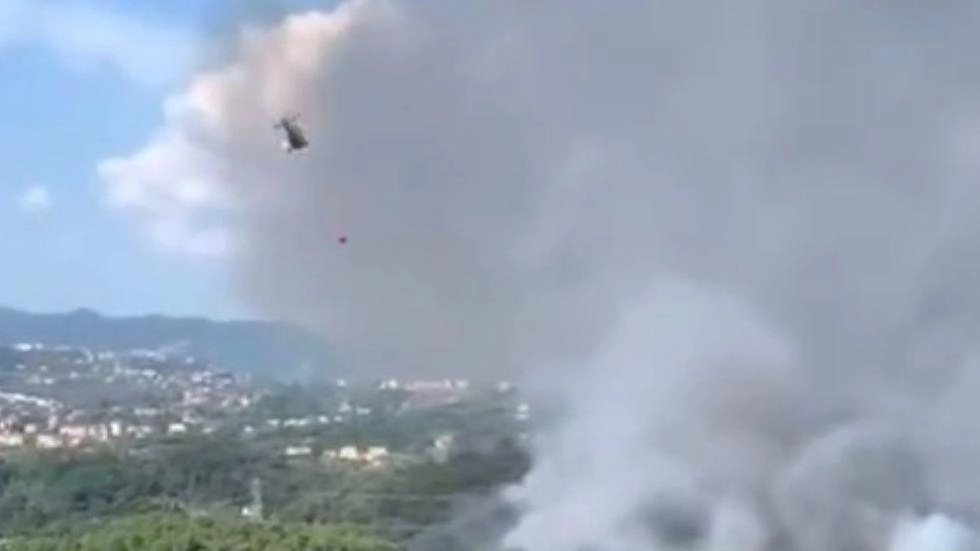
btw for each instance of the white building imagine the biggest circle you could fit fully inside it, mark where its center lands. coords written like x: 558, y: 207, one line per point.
x: 49, y: 441
x: 298, y: 451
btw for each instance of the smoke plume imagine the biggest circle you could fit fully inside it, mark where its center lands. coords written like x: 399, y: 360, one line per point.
x: 739, y: 241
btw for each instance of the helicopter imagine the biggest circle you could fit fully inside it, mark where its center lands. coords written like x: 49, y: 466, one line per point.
x: 295, y: 139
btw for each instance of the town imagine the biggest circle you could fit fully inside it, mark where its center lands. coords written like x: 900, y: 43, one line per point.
x: 65, y: 398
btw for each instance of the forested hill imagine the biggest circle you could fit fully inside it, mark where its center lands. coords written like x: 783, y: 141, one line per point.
x: 261, y: 349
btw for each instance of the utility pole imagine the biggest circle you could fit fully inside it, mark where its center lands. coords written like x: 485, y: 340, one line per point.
x: 257, y: 505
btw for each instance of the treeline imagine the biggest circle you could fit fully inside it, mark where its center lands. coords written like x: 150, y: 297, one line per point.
x: 53, y: 491
x: 177, y: 532
x: 37, y: 490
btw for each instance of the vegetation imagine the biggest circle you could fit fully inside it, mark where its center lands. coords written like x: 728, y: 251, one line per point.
x: 53, y: 494
x: 177, y: 532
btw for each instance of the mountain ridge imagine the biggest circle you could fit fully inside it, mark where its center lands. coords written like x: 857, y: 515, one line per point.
x: 263, y: 349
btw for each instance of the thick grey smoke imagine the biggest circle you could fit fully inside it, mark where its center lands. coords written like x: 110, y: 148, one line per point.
x: 739, y: 238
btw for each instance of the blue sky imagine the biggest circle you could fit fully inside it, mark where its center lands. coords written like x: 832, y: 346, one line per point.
x: 85, y: 85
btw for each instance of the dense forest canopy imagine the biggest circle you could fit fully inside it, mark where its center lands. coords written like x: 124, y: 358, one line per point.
x: 46, y: 498
x: 177, y: 532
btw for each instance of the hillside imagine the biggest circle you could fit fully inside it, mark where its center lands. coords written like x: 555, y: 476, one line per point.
x: 261, y: 349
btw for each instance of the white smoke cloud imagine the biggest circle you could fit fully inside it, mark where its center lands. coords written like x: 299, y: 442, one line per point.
x: 708, y: 415
x: 739, y: 240
x: 934, y: 533
x: 171, y: 184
